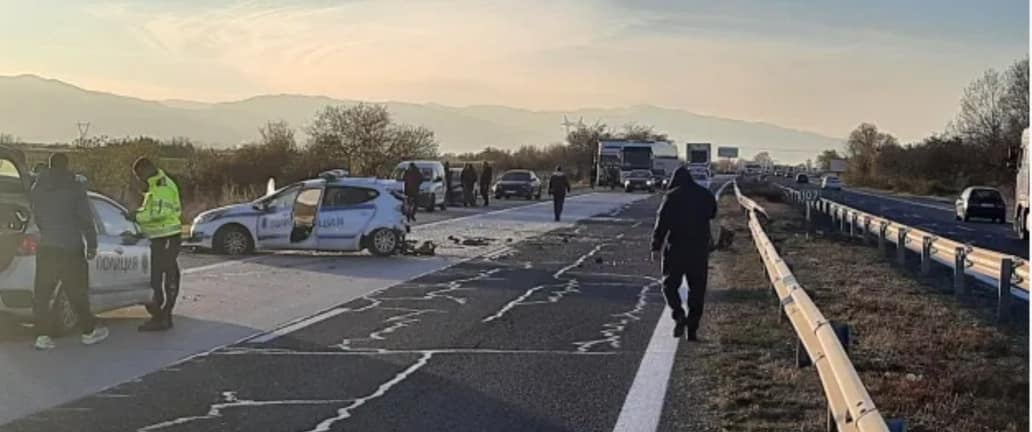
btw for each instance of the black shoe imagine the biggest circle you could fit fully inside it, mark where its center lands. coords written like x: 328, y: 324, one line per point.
x: 691, y: 336
x: 155, y: 325
x: 679, y: 329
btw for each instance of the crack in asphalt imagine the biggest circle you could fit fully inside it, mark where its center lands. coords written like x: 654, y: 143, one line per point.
x: 229, y: 400
x: 612, y: 332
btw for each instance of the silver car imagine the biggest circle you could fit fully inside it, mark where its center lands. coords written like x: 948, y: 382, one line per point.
x: 119, y: 275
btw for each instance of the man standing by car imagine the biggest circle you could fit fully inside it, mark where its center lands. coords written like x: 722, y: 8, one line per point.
x: 469, y: 180
x: 65, y: 220
x: 447, y: 183
x: 682, y: 232
x: 160, y: 219
x: 486, y: 177
x: 558, y: 186
x: 413, y: 179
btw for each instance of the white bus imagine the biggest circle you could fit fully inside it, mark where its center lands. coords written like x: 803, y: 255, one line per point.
x: 617, y: 158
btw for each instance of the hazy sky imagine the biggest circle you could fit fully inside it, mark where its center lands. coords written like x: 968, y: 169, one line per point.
x: 822, y: 66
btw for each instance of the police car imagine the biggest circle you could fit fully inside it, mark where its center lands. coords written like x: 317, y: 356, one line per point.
x: 119, y: 275
x: 330, y: 213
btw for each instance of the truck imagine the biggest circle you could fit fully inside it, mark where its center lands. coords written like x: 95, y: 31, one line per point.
x: 837, y: 166
x: 1021, y: 222
x: 617, y: 158
x: 698, y: 154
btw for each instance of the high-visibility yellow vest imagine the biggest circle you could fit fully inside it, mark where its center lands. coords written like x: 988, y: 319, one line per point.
x: 160, y: 214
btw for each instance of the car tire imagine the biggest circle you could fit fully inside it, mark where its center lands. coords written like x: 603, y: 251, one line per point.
x: 383, y: 242
x: 233, y: 240
x: 65, y: 321
x: 431, y: 203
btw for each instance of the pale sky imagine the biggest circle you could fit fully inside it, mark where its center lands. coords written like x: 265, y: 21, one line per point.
x: 822, y: 66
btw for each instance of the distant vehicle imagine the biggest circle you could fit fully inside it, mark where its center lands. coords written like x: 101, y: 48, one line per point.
x: 660, y: 178
x: 753, y: 169
x: 702, y: 177
x: 119, y: 276
x: 831, y: 182
x: 1021, y: 204
x: 623, y: 156
x: 518, y: 183
x: 698, y: 154
x: 431, y: 191
x: 639, y: 180
x: 837, y: 166
x: 665, y: 158
x: 328, y: 213
x: 779, y: 174
x: 981, y: 202
x: 802, y: 179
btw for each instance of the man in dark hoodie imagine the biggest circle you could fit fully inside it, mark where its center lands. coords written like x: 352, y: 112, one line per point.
x: 469, y: 180
x: 68, y: 238
x: 558, y: 186
x: 682, y: 232
x: 486, y: 177
x: 413, y: 179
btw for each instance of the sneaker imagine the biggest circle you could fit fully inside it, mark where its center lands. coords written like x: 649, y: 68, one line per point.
x: 44, y: 343
x: 98, y: 334
x: 154, y: 325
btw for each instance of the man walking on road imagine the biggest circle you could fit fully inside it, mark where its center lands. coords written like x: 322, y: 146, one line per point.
x: 65, y: 221
x: 413, y: 179
x: 486, y: 177
x: 469, y: 180
x: 160, y: 218
x: 558, y: 186
x: 447, y: 183
x: 682, y: 232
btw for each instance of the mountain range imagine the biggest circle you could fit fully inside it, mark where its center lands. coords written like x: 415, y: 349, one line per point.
x: 41, y: 110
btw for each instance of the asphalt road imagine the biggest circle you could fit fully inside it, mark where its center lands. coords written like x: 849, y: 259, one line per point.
x: 544, y: 335
x: 925, y: 214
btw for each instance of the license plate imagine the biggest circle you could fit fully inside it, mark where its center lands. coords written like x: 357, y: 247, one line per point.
x: 988, y: 205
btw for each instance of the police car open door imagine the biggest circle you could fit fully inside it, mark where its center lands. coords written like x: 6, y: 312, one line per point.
x: 276, y: 221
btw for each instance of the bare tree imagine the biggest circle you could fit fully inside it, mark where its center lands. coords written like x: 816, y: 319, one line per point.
x: 364, y: 140
x: 824, y: 159
x: 983, y: 113
x: 862, y: 147
x: 640, y: 132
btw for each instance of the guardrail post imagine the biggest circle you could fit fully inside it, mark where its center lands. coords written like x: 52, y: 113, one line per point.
x: 842, y: 221
x: 1004, y: 297
x: 867, y: 230
x: 901, y: 247
x: 959, y: 278
x: 852, y: 225
x: 881, y: 236
x: 926, y: 255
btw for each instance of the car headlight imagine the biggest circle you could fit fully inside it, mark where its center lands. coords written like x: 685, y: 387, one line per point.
x: 648, y: 182
x: 207, y: 217
x: 627, y: 182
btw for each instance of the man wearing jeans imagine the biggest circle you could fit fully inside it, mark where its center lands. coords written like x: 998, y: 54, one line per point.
x: 65, y: 220
x: 160, y: 219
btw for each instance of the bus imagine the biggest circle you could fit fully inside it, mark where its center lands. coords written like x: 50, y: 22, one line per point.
x: 665, y: 158
x: 622, y: 157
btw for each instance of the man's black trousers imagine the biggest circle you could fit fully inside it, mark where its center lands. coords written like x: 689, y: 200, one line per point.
x: 164, y: 275
x: 692, y: 268
x: 68, y: 269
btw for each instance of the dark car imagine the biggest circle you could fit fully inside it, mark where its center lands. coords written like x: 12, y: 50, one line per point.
x: 639, y: 180
x: 802, y: 178
x: 659, y: 178
x: 981, y: 202
x: 518, y: 183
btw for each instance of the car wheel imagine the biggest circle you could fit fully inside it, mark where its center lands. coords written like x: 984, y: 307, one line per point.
x: 233, y: 240
x: 65, y: 319
x: 384, y: 242
x: 430, y: 204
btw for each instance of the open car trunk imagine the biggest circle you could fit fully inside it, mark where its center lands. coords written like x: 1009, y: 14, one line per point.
x: 14, y: 204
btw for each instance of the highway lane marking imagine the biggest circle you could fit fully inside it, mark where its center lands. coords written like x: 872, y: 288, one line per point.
x: 244, y: 351
x: 643, y: 406
x: 900, y: 200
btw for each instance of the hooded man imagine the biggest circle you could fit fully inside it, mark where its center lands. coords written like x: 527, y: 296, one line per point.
x: 469, y: 180
x: 68, y: 238
x: 160, y: 218
x: 558, y: 187
x: 682, y: 232
x: 486, y: 177
x: 413, y: 178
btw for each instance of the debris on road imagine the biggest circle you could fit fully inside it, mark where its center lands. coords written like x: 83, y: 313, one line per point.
x: 427, y: 248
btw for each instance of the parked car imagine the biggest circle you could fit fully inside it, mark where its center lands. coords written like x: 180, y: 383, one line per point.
x: 831, y: 182
x: 431, y: 191
x: 981, y: 202
x: 639, y: 180
x: 521, y: 183
x: 119, y: 275
x: 329, y: 213
x: 802, y: 179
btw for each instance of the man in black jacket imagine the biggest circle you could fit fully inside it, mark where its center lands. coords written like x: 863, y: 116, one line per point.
x: 682, y: 232
x: 469, y: 180
x: 558, y: 186
x: 486, y: 177
x: 68, y: 238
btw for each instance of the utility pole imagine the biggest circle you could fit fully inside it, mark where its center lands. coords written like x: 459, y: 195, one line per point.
x: 84, y: 128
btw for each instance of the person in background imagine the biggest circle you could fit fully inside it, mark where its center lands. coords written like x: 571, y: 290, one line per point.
x: 558, y: 187
x: 413, y: 179
x: 486, y: 177
x: 613, y: 173
x: 682, y: 233
x: 594, y: 173
x: 447, y: 183
x: 469, y: 180
x: 160, y: 218
x: 65, y: 220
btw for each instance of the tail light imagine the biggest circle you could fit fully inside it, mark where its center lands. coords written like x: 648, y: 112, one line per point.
x: 28, y: 245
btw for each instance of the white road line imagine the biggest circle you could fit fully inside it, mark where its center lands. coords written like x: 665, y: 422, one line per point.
x: 903, y: 201
x: 644, y: 404
x: 298, y: 325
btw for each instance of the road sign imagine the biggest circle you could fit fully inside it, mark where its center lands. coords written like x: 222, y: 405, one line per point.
x: 727, y: 152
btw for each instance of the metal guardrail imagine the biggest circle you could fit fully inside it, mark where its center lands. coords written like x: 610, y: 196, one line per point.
x: 1008, y: 273
x: 850, y: 407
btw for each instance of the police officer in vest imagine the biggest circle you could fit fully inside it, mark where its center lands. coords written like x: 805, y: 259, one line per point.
x: 682, y: 232
x: 160, y: 219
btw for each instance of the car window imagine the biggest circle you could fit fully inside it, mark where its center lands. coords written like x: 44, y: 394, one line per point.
x: 305, y: 204
x: 343, y: 196
x: 284, y: 199
x: 516, y: 176
x: 110, y: 219
x: 986, y: 195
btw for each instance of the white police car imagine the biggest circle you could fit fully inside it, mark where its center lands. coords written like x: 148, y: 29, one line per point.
x: 119, y: 275
x: 330, y: 213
